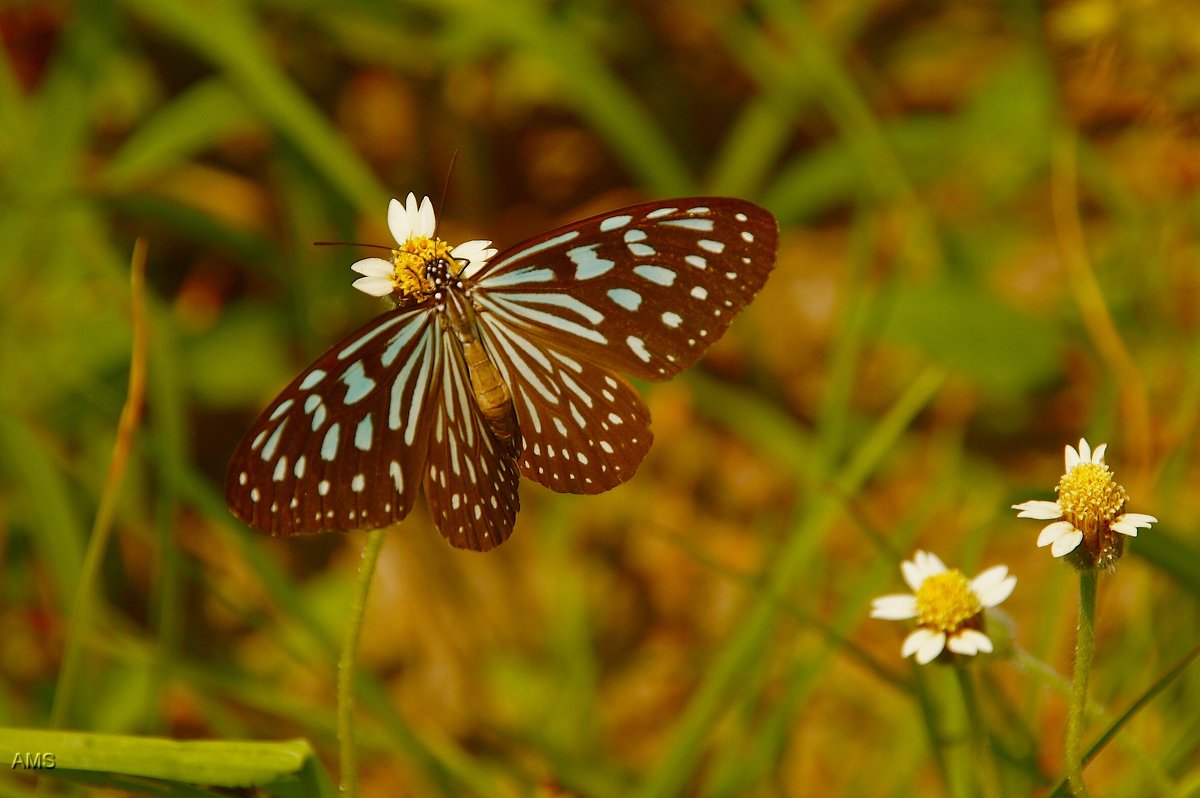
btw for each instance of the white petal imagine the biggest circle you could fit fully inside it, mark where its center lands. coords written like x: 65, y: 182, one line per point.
x: 969, y: 642
x: 1070, y: 457
x: 1124, y: 528
x: 471, y: 250
x: 426, y: 221
x: 1053, y: 532
x: 913, y: 575
x: 912, y: 644
x: 930, y: 563
x: 1085, y: 451
x: 398, y: 221
x: 1066, y: 543
x: 931, y: 648
x: 993, y: 585
x: 1098, y: 455
x: 1130, y: 523
x: 375, y: 286
x: 1041, y: 510
x: 373, y: 267
x: 896, y: 607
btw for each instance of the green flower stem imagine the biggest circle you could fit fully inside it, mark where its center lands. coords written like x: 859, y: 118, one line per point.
x: 345, y: 683
x: 1085, y: 647
x: 982, y: 749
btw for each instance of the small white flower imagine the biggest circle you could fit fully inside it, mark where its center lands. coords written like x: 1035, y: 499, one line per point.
x: 948, y: 607
x: 1087, y: 512
x: 414, y: 226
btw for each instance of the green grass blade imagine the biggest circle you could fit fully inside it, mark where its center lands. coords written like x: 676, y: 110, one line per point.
x: 216, y: 763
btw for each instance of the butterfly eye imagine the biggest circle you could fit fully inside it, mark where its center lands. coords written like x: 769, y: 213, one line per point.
x: 521, y: 378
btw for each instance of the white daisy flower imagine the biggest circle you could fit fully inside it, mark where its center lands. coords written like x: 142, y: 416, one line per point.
x: 1087, y: 513
x: 414, y: 225
x: 948, y: 607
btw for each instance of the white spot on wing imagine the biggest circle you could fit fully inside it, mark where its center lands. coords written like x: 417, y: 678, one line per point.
x: 639, y: 347
x: 614, y: 222
x: 625, y: 297
x: 655, y: 274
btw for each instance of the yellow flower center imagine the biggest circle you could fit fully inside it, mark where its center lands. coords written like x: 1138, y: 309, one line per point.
x: 410, y: 261
x: 1089, y: 495
x: 946, y: 601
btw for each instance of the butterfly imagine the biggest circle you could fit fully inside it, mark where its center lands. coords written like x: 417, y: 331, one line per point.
x: 493, y: 365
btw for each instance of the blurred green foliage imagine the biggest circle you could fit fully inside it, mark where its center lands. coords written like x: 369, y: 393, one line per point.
x: 956, y: 185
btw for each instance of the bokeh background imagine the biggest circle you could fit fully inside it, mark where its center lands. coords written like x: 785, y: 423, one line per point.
x: 989, y: 217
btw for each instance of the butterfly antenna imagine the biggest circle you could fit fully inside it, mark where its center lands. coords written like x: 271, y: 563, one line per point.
x: 446, y: 185
x: 348, y: 244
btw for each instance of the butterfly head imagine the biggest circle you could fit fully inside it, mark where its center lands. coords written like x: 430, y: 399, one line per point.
x: 421, y: 263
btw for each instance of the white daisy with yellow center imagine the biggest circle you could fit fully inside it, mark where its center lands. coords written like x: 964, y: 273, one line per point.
x: 413, y: 226
x: 948, y: 607
x: 1088, y: 511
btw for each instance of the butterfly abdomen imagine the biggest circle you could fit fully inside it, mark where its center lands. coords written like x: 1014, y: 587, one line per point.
x: 491, y: 393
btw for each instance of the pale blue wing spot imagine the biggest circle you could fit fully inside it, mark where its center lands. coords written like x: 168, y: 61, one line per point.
x: 661, y: 212
x: 401, y: 339
x: 550, y: 320
x: 358, y: 483
x: 362, y: 434
x: 635, y: 235
x: 700, y: 292
x: 655, y: 274
x: 570, y: 235
x: 272, y: 442
x: 518, y: 277
x: 358, y: 384
x: 641, y: 250
x: 587, y: 263
x: 312, y: 403
x: 716, y: 247
x: 301, y: 462
x: 330, y: 443
x: 626, y: 298
x: 672, y: 319
x: 638, y: 347
x: 614, y: 222
x: 314, y: 377
x: 696, y: 260
x: 280, y: 468
x: 703, y: 225
x: 363, y: 340
x: 564, y: 301
x: 318, y: 417
x: 284, y: 406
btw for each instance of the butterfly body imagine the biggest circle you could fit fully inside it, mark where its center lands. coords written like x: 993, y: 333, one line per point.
x: 496, y: 366
x: 491, y: 394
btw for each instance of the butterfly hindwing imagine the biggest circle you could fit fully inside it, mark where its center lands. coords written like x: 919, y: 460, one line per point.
x: 585, y: 429
x: 471, y: 477
x: 344, y: 445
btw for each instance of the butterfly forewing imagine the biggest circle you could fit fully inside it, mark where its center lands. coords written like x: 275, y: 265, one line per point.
x: 471, y: 477
x: 585, y: 429
x: 643, y: 290
x: 344, y: 446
